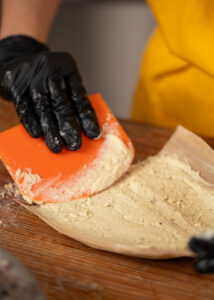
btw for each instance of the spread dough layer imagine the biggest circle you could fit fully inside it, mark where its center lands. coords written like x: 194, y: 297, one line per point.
x: 158, y: 204
x: 112, y: 162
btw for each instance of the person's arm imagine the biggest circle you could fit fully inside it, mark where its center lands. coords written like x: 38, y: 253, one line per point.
x: 28, y: 17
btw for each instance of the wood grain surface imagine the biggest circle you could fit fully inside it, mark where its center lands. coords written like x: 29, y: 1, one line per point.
x: 66, y: 269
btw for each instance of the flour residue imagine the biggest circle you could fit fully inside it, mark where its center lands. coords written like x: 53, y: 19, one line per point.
x: 111, y: 129
x: 27, y: 180
x: 9, y: 194
x: 10, y: 189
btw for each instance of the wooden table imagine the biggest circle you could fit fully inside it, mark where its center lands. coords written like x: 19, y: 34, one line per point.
x: 66, y: 269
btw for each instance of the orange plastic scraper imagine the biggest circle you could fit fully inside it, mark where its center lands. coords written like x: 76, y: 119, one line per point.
x: 43, y: 176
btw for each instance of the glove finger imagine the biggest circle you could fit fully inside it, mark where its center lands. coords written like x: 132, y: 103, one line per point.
x: 82, y: 106
x: 27, y: 117
x: 202, y: 246
x: 63, y: 84
x: 204, y: 265
x: 48, y: 124
x: 69, y: 127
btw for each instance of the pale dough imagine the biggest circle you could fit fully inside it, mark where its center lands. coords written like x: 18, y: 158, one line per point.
x: 151, y: 212
x: 112, y: 162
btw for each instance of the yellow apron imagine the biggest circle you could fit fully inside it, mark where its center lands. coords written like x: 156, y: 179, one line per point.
x: 176, y: 84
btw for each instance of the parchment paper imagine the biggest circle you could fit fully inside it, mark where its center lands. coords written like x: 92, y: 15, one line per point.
x: 183, y: 145
x: 192, y: 149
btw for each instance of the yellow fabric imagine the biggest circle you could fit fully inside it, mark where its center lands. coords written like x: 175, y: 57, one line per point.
x: 176, y: 84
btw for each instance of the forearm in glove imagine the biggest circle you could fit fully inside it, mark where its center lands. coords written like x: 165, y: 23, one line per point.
x: 47, y: 91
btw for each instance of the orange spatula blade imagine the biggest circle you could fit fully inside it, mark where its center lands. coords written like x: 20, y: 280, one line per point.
x: 20, y: 152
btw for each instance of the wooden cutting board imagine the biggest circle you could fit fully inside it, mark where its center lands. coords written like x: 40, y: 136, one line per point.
x: 66, y: 269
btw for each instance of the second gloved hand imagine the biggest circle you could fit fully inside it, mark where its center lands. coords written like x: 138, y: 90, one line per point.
x: 203, y: 246
x: 47, y: 91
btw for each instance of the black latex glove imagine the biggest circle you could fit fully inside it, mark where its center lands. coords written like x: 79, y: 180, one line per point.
x: 204, y: 248
x: 47, y: 91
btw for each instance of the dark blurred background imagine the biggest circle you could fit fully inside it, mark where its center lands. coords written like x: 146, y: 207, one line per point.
x: 107, y: 39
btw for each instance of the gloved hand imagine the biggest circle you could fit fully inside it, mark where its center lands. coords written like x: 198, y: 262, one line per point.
x: 204, y: 248
x: 47, y: 91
